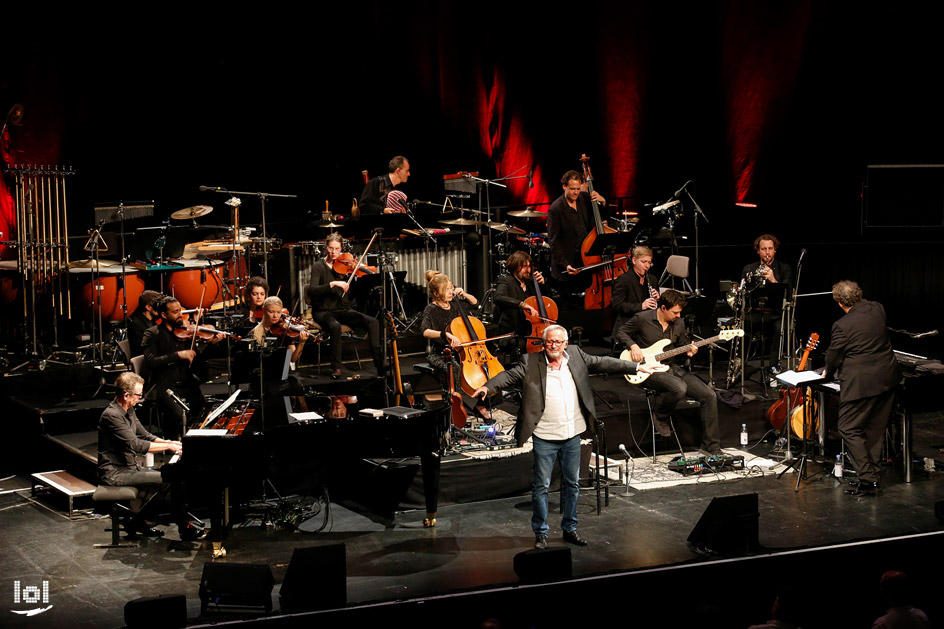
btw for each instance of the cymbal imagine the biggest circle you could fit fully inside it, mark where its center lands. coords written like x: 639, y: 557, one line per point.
x: 331, y: 225
x: 192, y: 212
x: 462, y: 221
x: 90, y: 264
x: 665, y: 206
x: 506, y: 228
x: 527, y: 214
x: 629, y: 213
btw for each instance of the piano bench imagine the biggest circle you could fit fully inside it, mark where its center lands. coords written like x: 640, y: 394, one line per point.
x: 64, y: 483
x: 117, y: 511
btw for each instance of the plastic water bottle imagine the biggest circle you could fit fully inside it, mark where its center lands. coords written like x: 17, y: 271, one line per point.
x: 837, y: 468
x: 743, y: 434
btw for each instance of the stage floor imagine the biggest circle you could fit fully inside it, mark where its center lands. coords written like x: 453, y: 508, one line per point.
x: 473, y: 546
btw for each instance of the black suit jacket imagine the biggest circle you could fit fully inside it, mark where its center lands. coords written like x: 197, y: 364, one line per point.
x: 163, y: 368
x: 323, y: 296
x: 531, y: 374
x: 860, y: 354
x: 508, y: 296
x: 566, y: 230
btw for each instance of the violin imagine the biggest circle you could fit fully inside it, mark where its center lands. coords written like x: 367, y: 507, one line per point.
x: 191, y: 332
x: 346, y: 264
x: 289, y: 327
x: 478, y: 365
x: 547, y: 316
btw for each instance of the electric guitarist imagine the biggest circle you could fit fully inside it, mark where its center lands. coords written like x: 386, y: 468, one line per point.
x: 651, y: 326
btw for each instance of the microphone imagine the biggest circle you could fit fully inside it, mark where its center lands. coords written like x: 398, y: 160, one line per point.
x: 678, y: 193
x: 210, y: 188
x: 177, y: 399
x: 531, y: 177
x: 623, y: 450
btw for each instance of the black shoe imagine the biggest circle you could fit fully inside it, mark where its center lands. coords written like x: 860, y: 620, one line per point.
x: 864, y: 488
x: 335, y: 374
x: 662, y: 427
x: 572, y: 537
x: 540, y: 541
x: 189, y: 532
x: 711, y: 451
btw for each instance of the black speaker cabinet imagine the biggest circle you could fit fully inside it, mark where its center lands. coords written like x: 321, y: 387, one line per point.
x: 168, y: 611
x: 230, y: 585
x: 316, y: 578
x: 728, y: 526
x: 549, y: 564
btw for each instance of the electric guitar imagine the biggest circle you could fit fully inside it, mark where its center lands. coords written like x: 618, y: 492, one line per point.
x: 653, y: 355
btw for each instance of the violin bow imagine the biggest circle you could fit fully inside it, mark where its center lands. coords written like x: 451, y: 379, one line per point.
x: 361, y: 259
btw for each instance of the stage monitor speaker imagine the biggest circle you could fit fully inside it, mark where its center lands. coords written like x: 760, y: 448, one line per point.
x: 316, y: 578
x: 728, y: 526
x: 549, y: 564
x: 167, y: 611
x: 231, y: 585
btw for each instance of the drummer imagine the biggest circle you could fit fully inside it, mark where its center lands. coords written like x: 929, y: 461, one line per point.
x: 447, y: 300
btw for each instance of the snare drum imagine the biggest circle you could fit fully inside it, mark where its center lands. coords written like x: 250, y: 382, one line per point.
x: 111, y: 296
x: 187, y: 285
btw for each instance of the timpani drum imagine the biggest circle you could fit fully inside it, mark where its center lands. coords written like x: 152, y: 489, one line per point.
x: 106, y: 292
x: 188, y: 284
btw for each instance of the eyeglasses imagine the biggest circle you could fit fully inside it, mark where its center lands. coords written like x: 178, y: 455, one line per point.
x: 554, y: 343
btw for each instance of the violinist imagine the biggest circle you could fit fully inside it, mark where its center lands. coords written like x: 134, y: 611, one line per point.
x: 274, y: 323
x: 169, y: 364
x: 329, y: 295
x: 257, y: 289
x: 511, y: 291
x: 569, y: 220
x: 637, y: 290
x: 765, y: 305
x: 143, y: 318
x: 447, y: 299
x: 373, y: 199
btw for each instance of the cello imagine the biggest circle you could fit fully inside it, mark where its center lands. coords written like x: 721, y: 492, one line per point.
x: 478, y: 365
x: 547, y: 316
x: 600, y: 293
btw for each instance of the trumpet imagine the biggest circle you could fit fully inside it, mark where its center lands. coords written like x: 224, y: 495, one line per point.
x: 760, y: 273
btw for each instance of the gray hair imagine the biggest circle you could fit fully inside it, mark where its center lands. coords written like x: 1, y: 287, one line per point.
x: 554, y: 328
x: 847, y: 293
x: 127, y: 381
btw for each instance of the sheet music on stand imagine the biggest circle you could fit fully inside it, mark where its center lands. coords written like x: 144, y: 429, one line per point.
x: 793, y: 378
x: 216, y: 413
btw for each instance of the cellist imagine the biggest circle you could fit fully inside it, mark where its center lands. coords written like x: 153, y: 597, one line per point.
x: 511, y: 291
x: 447, y: 299
x: 569, y: 220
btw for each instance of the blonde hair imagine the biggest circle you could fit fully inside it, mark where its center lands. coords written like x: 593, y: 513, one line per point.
x: 271, y: 301
x: 436, y: 283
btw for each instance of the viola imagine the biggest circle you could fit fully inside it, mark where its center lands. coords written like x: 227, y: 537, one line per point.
x: 290, y: 327
x: 600, y: 293
x: 397, y: 377
x: 346, y: 264
x: 478, y: 365
x: 547, y: 316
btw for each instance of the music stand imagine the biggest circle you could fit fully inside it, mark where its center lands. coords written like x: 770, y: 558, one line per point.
x: 805, y: 380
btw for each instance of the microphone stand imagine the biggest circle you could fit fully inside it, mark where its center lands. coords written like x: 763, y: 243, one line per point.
x: 698, y: 211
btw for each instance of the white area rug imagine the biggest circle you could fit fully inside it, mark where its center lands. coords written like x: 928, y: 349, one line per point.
x: 644, y: 474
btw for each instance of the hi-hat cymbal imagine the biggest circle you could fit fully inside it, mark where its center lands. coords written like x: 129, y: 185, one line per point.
x: 462, y: 221
x: 331, y: 225
x: 506, y: 228
x: 527, y: 214
x: 192, y: 212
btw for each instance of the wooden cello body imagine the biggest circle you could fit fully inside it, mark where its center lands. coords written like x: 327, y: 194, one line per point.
x: 790, y: 398
x: 547, y: 316
x: 478, y: 365
x: 600, y: 293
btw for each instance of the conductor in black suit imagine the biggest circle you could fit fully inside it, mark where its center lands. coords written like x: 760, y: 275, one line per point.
x: 556, y: 408
x: 860, y: 355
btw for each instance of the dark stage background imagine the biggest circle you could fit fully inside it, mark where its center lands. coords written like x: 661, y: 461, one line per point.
x: 780, y: 104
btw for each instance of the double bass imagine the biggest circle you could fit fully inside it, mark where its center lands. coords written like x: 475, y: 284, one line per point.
x: 607, y: 268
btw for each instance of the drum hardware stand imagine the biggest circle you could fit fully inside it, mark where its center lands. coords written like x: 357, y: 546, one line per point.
x: 95, y: 245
